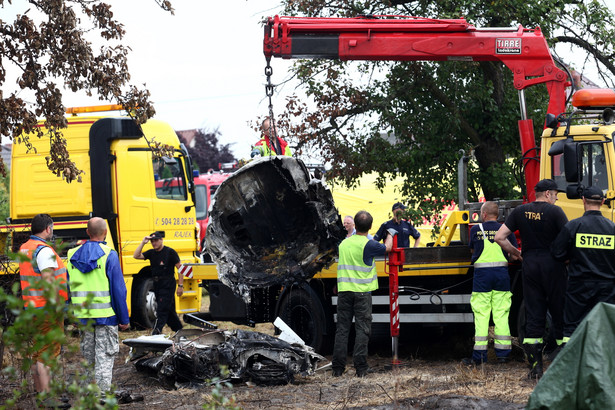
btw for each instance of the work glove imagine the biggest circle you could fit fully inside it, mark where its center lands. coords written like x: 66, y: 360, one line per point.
x: 392, y: 231
x: 255, y: 152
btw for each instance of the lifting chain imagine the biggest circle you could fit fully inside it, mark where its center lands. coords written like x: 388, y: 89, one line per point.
x: 269, y: 87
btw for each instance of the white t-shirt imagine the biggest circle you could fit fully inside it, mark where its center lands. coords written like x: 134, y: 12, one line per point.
x: 46, y: 259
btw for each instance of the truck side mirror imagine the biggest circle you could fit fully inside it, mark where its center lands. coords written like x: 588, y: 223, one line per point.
x: 551, y: 121
x: 557, y: 148
x: 571, y: 162
x: 574, y: 191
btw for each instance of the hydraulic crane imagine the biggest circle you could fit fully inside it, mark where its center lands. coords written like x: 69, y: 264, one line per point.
x: 524, y: 51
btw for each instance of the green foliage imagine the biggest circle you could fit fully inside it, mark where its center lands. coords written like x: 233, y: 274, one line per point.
x: 23, y: 338
x: 207, y: 152
x: 5, y: 183
x: 46, y: 48
x: 412, y: 118
x: 218, y: 399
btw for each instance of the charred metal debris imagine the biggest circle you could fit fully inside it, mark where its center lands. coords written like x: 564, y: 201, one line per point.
x: 194, y: 357
x: 272, y: 224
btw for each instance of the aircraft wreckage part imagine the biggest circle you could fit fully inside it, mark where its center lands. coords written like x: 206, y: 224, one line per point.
x: 271, y: 224
x: 249, y: 356
x: 192, y: 319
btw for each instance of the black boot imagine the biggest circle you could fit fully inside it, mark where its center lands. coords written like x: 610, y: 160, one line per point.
x: 534, y: 358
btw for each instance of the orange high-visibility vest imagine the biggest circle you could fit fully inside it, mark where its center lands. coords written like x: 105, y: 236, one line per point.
x: 27, y: 272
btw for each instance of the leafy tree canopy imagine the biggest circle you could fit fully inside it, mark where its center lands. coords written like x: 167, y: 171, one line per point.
x: 412, y: 118
x: 45, y: 52
x: 207, y: 152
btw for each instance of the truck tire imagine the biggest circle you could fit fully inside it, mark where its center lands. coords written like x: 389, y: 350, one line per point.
x: 143, y: 304
x: 302, y: 310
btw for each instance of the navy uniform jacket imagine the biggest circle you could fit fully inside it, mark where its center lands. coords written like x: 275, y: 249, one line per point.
x: 589, y: 243
x: 404, y: 231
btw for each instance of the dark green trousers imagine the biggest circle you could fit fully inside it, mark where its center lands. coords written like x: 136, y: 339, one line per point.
x: 359, y: 306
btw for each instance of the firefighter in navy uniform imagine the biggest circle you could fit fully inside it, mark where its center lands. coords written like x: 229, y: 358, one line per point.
x: 544, y: 277
x: 491, y: 293
x: 404, y: 228
x: 588, y: 243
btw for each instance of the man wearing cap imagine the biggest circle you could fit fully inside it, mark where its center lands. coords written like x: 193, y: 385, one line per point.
x: 544, y: 278
x: 403, y: 228
x: 588, y: 243
x: 163, y: 261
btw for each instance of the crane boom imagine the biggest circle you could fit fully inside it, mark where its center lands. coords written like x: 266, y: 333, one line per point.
x: 524, y: 51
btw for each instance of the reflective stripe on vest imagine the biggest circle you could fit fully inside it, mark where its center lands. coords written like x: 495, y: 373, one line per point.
x: 267, y: 152
x: 29, y: 274
x: 491, y: 256
x: 95, y: 283
x: 353, y: 275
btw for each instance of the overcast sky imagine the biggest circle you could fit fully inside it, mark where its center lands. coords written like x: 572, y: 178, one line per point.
x: 203, y: 66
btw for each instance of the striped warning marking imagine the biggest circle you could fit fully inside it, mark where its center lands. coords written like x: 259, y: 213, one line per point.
x: 186, y: 270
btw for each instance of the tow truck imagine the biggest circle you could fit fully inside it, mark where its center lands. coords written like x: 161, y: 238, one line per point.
x: 431, y: 285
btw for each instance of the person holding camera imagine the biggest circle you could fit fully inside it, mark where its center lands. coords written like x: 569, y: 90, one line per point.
x: 163, y: 261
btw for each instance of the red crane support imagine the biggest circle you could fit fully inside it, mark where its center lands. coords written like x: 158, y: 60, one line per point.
x: 524, y: 51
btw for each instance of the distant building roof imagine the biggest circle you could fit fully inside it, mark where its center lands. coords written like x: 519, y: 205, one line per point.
x: 188, y: 136
x: 581, y: 81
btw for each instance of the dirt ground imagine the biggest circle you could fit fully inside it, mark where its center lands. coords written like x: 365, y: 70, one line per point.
x: 430, y: 376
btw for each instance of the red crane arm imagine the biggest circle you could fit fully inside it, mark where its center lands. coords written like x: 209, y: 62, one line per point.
x: 524, y: 51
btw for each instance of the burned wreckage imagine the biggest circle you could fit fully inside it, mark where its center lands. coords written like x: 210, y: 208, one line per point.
x: 271, y: 224
x: 195, y: 356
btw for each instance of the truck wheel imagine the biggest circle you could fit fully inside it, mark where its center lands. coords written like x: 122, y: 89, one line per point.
x: 302, y: 310
x: 143, y: 304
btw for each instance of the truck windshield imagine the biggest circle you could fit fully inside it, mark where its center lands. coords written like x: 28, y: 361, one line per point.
x: 169, y: 179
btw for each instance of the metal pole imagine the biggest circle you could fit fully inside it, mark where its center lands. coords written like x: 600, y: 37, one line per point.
x: 522, y: 105
x: 393, y: 301
x: 462, y: 188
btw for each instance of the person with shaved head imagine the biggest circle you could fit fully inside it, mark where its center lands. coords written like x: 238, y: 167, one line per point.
x: 491, y: 294
x: 94, y: 271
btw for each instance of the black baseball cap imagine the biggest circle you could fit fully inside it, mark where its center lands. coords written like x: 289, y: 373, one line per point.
x: 398, y: 205
x: 157, y: 235
x: 593, y: 192
x: 545, y: 185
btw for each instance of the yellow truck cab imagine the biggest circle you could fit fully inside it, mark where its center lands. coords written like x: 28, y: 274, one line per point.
x: 122, y: 183
x: 577, y: 150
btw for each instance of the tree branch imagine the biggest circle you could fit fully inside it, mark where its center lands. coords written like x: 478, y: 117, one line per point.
x: 590, y: 49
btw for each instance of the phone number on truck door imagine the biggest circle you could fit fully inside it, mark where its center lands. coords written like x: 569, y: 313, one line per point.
x: 174, y: 221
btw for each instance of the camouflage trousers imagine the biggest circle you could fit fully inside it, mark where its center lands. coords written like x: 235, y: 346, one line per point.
x: 99, y: 349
